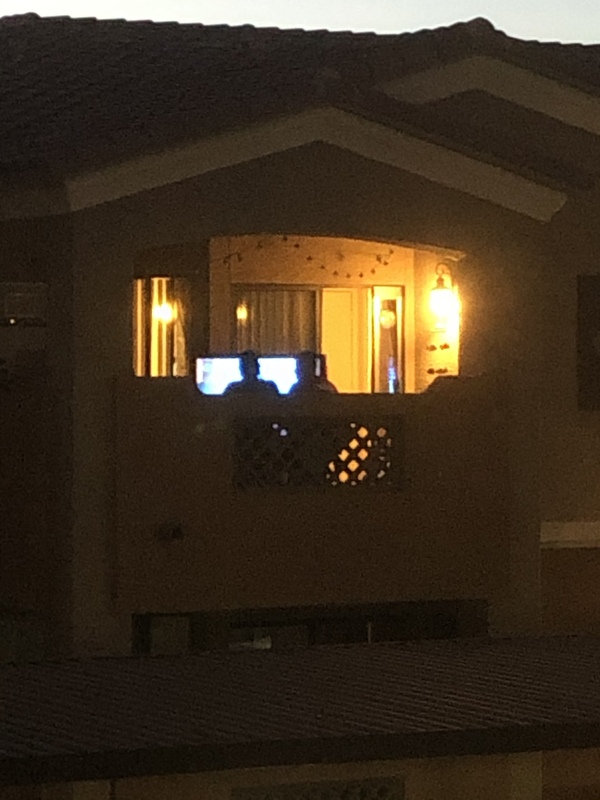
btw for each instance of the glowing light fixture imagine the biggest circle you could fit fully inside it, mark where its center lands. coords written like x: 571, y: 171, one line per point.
x: 443, y: 302
x: 163, y: 312
x: 241, y: 312
x: 387, y: 318
x: 161, y: 308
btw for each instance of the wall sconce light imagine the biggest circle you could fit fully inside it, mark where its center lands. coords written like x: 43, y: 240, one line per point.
x: 443, y: 302
x: 163, y: 312
x: 241, y: 313
x: 387, y: 318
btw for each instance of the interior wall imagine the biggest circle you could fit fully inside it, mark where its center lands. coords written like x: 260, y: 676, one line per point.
x: 341, y: 262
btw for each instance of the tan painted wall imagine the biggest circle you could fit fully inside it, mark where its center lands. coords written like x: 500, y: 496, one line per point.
x: 570, y: 581
x: 569, y: 438
x: 441, y: 536
x: 313, y: 191
x: 507, y: 777
x: 555, y: 775
x: 35, y: 436
x: 572, y: 775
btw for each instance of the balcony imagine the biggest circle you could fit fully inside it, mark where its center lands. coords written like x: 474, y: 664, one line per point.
x: 230, y: 502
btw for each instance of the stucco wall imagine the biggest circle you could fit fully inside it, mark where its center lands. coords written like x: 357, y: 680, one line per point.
x: 35, y: 432
x: 441, y: 535
x: 315, y: 190
x: 570, y: 438
x: 571, y: 597
x: 505, y: 777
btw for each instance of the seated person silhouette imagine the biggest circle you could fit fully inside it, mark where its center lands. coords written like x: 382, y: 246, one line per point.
x: 251, y: 382
x: 308, y: 382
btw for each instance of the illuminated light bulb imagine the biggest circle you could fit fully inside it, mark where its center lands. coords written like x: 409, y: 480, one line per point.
x: 387, y: 319
x: 443, y: 303
x: 163, y: 312
x: 241, y: 312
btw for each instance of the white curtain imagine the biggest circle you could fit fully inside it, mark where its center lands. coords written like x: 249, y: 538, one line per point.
x: 276, y: 321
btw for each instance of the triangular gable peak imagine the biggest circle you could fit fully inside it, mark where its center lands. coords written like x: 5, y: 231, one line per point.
x: 332, y: 126
x: 504, y: 80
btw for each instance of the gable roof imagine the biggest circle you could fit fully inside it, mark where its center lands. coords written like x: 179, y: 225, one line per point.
x: 79, y: 91
x: 81, y: 95
x: 110, y: 718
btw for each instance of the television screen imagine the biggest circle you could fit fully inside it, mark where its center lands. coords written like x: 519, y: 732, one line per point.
x: 215, y: 373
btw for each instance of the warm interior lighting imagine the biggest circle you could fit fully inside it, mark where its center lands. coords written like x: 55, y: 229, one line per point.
x: 443, y: 301
x: 386, y: 362
x: 163, y: 312
x: 160, y: 318
x: 387, y: 319
x: 241, y: 312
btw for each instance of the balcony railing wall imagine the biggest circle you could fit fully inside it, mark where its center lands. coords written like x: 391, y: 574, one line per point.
x: 231, y: 502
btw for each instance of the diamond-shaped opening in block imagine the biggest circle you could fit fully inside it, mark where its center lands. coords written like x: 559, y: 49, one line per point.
x: 381, y: 474
x: 343, y: 476
x: 362, y: 454
x: 344, y: 455
x: 353, y: 465
x: 331, y: 466
x: 362, y: 432
x: 381, y: 432
x: 353, y: 444
x: 362, y: 475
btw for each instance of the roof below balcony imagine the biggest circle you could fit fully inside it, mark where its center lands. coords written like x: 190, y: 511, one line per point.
x: 111, y: 718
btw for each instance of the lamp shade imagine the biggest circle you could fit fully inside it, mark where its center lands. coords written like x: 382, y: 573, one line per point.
x: 443, y: 303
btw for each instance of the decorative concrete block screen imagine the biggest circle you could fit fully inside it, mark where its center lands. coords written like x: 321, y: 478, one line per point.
x: 371, y: 789
x: 317, y: 452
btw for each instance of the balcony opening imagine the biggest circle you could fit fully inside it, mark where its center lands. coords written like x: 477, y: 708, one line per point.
x: 366, y: 306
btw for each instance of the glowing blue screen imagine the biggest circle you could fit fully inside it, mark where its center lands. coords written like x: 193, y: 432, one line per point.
x: 213, y: 375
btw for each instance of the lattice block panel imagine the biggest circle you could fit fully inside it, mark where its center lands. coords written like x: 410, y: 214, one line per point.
x: 316, y: 452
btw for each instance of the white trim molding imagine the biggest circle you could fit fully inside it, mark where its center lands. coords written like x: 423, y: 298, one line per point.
x: 506, y: 81
x: 332, y: 126
x: 572, y: 534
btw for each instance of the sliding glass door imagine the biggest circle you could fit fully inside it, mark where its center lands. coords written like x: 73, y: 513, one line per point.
x: 359, y: 329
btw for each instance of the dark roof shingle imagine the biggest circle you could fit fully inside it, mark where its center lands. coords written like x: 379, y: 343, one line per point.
x: 112, y: 717
x: 78, y: 93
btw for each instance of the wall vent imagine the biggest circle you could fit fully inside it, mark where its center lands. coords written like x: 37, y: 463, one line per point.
x: 23, y: 304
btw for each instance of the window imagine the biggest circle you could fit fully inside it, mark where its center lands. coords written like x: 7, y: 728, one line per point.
x: 161, y: 311
x: 284, y: 628
x: 162, y: 634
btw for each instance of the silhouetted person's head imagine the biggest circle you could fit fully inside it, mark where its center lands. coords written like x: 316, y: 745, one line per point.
x: 249, y: 365
x: 305, y: 366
